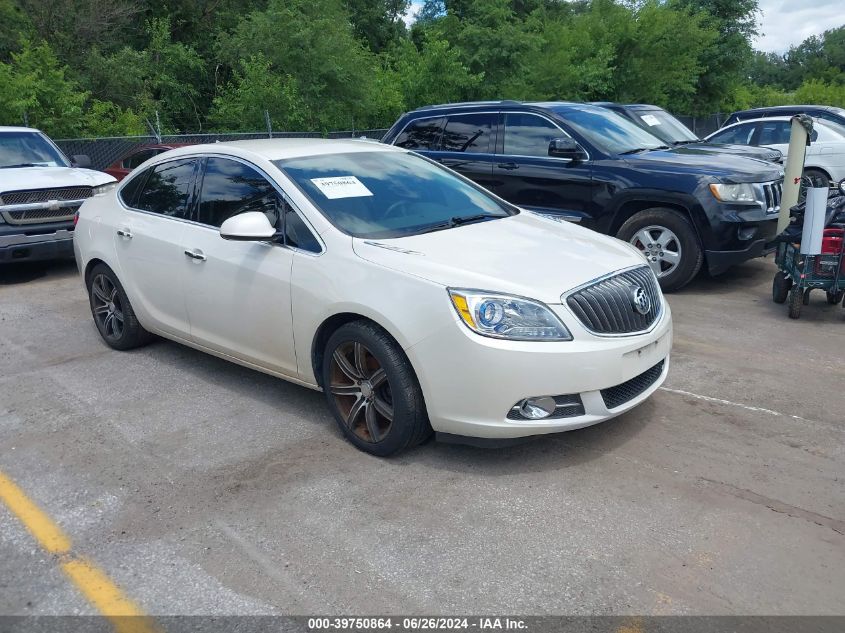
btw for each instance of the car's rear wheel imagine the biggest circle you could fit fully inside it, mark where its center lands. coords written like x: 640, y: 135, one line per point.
x: 112, y: 312
x: 372, y: 390
x: 669, y: 243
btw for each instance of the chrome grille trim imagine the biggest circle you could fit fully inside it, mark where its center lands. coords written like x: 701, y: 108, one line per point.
x: 604, y: 306
x: 769, y: 195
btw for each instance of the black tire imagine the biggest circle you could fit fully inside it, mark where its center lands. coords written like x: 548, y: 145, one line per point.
x: 351, y: 395
x: 818, y: 177
x: 835, y: 297
x: 106, y: 296
x: 691, y: 253
x: 796, y: 301
x: 781, y: 285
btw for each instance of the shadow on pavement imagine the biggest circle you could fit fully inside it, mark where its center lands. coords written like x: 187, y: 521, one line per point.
x: 24, y: 272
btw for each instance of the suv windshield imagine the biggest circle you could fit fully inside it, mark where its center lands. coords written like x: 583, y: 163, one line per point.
x: 610, y: 132
x: 664, y: 126
x: 389, y: 194
x: 28, y: 149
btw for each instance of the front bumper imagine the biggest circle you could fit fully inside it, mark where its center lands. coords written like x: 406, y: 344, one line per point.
x: 23, y: 247
x: 471, y: 382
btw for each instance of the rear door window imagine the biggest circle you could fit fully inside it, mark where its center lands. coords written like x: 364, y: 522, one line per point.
x: 470, y: 133
x: 774, y: 133
x: 131, y: 162
x: 167, y: 190
x: 422, y: 134
x: 528, y: 134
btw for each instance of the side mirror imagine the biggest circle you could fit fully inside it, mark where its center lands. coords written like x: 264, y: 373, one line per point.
x: 252, y: 226
x: 80, y: 160
x: 566, y: 148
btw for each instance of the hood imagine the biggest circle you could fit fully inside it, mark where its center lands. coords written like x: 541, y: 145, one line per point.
x: 525, y: 254
x: 760, y: 153
x: 728, y: 168
x: 20, y: 178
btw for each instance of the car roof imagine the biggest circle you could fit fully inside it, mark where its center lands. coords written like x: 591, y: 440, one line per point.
x: 789, y: 108
x: 503, y: 104
x: 13, y: 128
x: 282, y: 148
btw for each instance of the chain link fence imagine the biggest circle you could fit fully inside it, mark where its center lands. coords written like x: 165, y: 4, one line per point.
x: 105, y: 151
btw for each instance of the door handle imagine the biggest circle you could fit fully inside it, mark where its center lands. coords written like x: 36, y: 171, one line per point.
x: 197, y: 255
x: 507, y: 166
x: 124, y: 233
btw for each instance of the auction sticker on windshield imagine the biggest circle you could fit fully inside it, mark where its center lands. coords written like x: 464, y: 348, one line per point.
x: 651, y: 119
x: 341, y: 187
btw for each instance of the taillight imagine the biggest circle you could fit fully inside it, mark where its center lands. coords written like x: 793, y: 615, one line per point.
x: 75, y: 218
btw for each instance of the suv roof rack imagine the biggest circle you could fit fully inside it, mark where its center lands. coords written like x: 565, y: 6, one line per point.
x: 470, y: 103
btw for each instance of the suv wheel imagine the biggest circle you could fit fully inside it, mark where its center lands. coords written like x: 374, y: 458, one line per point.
x: 112, y: 312
x: 373, y: 391
x: 668, y: 242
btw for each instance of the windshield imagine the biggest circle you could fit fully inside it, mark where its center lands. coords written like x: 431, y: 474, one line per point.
x: 610, y: 132
x: 28, y: 149
x: 389, y: 194
x: 664, y: 126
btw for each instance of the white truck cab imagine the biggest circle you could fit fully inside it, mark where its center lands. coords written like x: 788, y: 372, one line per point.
x: 40, y: 191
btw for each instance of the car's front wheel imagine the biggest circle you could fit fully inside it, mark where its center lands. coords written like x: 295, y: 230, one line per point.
x: 669, y: 244
x: 112, y: 312
x: 372, y: 390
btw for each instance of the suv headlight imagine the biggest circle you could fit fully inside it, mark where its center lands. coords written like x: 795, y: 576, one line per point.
x: 733, y: 193
x: 101, y: 190
x: 507, y: 317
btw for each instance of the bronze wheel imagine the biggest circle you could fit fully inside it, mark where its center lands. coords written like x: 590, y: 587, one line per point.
x: 361, y: 392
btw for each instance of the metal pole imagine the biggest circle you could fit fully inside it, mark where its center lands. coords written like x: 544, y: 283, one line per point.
x: 158, y: 128
x: 799, y: 138
x: 269, y: 124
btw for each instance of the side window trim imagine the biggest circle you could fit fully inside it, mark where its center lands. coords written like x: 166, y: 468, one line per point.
x: 286, y: 198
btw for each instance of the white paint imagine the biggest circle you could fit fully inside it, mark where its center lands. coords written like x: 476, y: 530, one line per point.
x: 729, y: 403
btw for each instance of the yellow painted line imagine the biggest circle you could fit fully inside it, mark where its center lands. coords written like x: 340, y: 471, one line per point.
x: 93, y: 583
x: 48, y: 534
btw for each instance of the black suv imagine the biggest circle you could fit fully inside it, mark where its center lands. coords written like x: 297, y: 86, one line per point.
x: 583, y: 163
x: 827, y: 113
x: 671, y: 131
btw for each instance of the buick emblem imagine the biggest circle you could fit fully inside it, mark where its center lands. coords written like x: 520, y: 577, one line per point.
x: 640, y: 300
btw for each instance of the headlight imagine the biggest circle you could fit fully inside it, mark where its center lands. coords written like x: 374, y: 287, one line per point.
x: 102, y: 190
x: 733, y: 193
x: 507, y: 317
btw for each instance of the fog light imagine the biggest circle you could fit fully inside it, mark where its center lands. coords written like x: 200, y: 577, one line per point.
x: 537, y: 408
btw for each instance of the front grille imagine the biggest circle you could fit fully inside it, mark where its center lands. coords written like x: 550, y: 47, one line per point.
x: 773, y: 192
x: 30, y: 196
x: 627, y: 391
x: 608, y: 306
x: 34, y: 216
x: 569, y: 406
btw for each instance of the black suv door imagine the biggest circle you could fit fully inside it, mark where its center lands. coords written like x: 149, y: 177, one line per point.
x: 527, y: 176
x: 466, y: 145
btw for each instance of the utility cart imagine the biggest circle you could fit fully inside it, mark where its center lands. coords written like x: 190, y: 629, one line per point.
x: 799, y: 274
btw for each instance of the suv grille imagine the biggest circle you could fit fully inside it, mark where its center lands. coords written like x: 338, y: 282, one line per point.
x: 45, y: 195
x: 620, y: 394
x: 609, y: 306
x: 773, y: 192
x: 36, y: 196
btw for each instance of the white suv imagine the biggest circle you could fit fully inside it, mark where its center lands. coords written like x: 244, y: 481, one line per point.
x: 40, y: 191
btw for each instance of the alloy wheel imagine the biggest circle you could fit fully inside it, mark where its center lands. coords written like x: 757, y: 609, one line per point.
x: 661, y: 247
x: 107, y: 307
x: 361, y: 391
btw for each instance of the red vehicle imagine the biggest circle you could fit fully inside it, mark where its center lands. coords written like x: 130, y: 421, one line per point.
x: 122, y: 166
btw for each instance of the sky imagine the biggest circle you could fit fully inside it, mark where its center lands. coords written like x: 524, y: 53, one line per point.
x: 782, y: 23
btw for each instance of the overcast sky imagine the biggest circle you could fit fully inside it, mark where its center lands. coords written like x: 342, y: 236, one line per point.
x: 782, y: 23
x: 787, y: 22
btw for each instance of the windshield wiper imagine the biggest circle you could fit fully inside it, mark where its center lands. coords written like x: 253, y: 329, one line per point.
x: 18, y: 165
x: 457, y: 221
x: 687, y: 142
x: 637, y: 150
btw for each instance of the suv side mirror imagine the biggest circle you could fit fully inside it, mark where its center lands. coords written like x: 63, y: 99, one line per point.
x: 566, y: 148
x: 252, y: 226
x: 80, y: 160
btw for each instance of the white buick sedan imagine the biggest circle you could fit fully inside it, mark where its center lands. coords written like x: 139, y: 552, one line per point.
x: 416, y: 300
